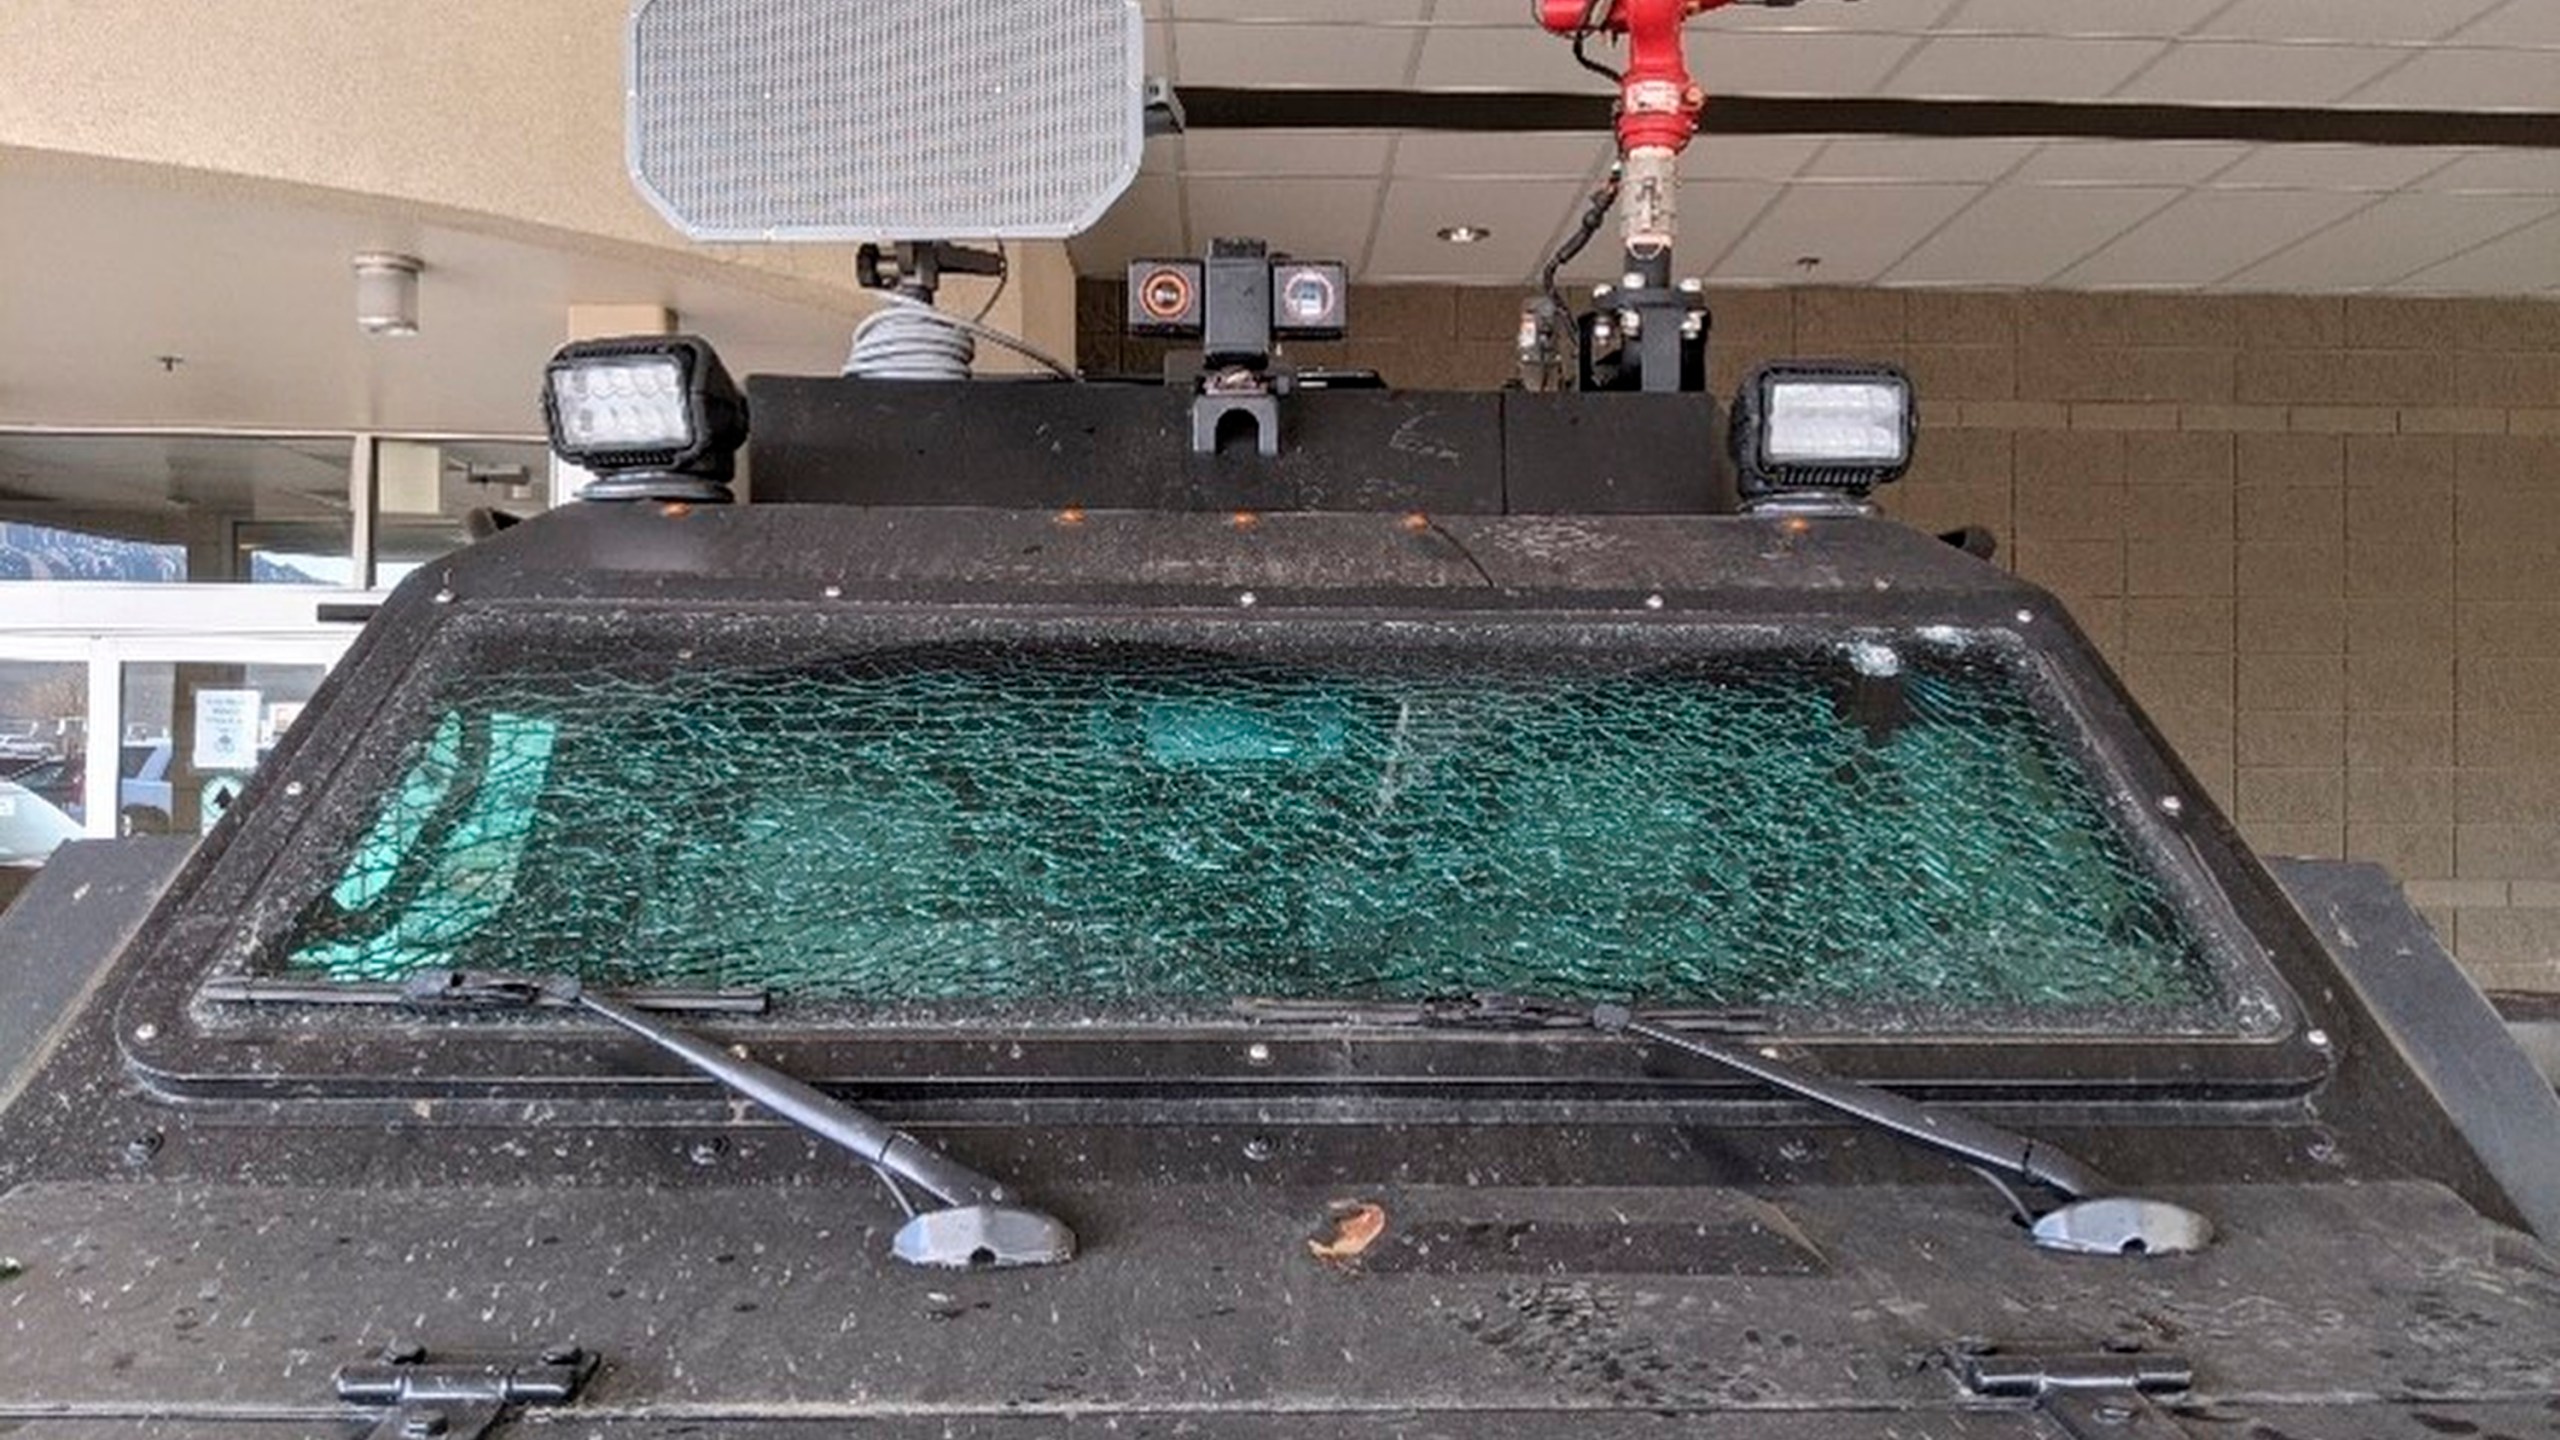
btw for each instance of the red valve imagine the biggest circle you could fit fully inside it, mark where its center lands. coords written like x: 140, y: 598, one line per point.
x: 1658, y: 103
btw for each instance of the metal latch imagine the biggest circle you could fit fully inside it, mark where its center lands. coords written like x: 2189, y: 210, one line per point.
x: 2099, y: 1396
x: 462, y: 1395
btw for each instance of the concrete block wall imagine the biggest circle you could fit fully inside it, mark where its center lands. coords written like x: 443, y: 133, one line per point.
x: 2318, y: 536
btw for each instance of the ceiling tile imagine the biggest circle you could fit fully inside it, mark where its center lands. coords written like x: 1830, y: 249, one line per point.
x: 2026, y: 234
x: 1857, y: 230
x: 2183, y: 162
x: 2403, y: 234
x: 2011, y: 67
x: 2469, y: 79
x: 2511, y: 172
x: 1520, y: 57
x: 1322, y: 218
x: 2402, y: 20
x: 1747, y: 157
x: 2161, y: 18
x: 1147, y: 221
x: 1300, y: 11
x: 1874, y: 17
x: 1749, y: 63
x: 1573, y: 157
x: 2208, y: 235
x: 1896, y: 159
x: 1523, y: 217
x: 1360, y: 56
x: 1301, y: 153
x: 2335, y: 167
x: 2242, y: 73
x: 2518, y: 264
x: 1494, y: 14
x: 2518, y: 22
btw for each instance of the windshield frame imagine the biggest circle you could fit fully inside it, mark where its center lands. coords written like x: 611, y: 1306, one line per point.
x: 196, y: 1047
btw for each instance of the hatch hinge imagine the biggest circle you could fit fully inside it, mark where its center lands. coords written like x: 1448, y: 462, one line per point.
x: 2104, y: 1395
x: 462, y: 1395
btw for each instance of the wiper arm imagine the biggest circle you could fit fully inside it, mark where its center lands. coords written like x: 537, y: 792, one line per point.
x: 2095, y: 1218
x: 980, y: 1223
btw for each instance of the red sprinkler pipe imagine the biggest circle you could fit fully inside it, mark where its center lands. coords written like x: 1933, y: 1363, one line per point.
x: 1658, y: 104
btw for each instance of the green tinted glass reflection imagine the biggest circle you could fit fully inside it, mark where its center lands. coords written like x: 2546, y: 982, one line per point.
x: 1126, y: 827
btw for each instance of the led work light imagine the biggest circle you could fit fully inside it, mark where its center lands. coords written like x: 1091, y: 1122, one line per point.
x: 1821, y: 432
x: 653, y: 417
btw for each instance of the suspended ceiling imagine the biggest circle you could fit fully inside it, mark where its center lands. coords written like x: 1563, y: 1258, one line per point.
x: 2182, y: 215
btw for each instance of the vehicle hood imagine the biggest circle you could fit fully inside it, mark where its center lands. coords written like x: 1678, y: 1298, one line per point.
x: 1204, y: 1308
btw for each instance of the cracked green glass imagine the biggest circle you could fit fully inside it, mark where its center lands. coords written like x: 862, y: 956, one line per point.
x: 1890, y: 826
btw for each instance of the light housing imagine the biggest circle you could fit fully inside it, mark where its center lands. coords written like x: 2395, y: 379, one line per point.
x: 1821, y: 429
x: 653, y: 417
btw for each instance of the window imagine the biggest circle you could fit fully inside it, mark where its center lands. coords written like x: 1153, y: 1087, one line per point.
x: 1154, y: 821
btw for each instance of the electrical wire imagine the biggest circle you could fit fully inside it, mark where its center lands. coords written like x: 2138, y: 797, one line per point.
x: 907, y: 339
x: 1004, y: 277
x: 1594, y: 215
x: 1592, y: 15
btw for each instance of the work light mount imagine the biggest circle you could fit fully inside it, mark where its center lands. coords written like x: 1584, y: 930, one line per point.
x: 915, y: 268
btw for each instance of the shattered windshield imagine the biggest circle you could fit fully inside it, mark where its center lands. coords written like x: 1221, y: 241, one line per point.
x: 1152, y: 822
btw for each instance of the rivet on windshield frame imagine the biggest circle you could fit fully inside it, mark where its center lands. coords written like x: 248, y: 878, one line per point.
x: 833, y: 592
x: 2316, y: 1039
x: 740, y: 1051
x: 1257, y: 1148
x: 1257, y: 1053
x: 1248, y: 599
x: 2026, y: 617
x: 1653, y: 602
x: 2172, y: 805
x: 146, y: 1031
x: 444, y: 597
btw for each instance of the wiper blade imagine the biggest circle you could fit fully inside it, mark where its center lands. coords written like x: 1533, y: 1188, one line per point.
x: 980, y: 1225
x: 2095, y: 1217
x: 265, y: 990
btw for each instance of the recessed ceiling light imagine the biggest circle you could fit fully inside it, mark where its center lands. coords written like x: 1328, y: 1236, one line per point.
x: 1465, y: 234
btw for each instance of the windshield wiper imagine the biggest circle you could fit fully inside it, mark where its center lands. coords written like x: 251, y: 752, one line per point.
x: 980, y: 1224
x: 2094, y: 1218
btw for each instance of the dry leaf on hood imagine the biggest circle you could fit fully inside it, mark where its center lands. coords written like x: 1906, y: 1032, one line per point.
x: 1356, y: 1225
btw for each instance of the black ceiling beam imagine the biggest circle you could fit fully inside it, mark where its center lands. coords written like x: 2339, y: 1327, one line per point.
x: 1508, y: 112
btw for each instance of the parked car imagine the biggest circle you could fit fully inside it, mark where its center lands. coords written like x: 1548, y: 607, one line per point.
x: 30, y: 826
x: 62, y: 782
x: 144, y: 797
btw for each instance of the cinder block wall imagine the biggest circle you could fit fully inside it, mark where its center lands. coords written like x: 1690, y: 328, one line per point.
x: 2319, y: 537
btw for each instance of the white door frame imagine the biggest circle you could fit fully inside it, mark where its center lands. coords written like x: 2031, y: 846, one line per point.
x: 107, y: 627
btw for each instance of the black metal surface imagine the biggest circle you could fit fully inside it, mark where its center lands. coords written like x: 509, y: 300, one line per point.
x: 736, y: 1303
x: 1049, y: 446
x: 2443, y: 1029
x: 1510, y: 111
x: 58, y: 938
x: 1570, y: 454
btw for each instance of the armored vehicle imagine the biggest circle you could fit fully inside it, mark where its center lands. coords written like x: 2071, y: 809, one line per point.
x: 1246, y: 904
